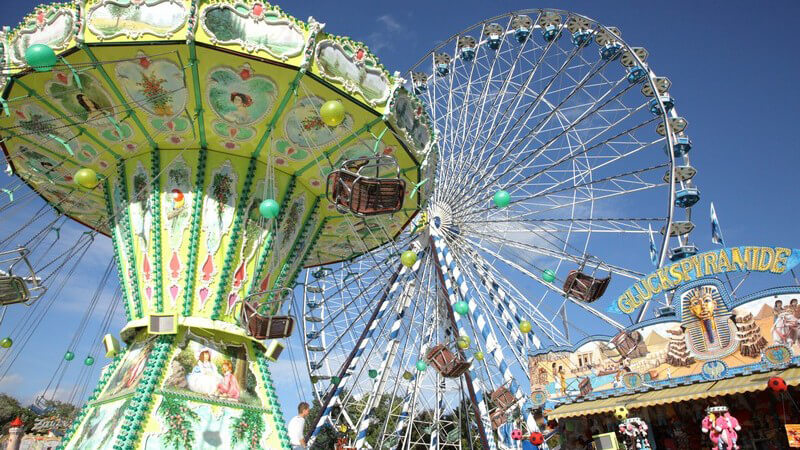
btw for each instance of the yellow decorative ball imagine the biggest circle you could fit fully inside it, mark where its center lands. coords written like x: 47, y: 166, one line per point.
x: 86, y: 178
x: 332, y: 112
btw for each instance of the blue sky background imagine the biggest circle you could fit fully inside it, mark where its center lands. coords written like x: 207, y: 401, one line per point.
x: 734, y: 76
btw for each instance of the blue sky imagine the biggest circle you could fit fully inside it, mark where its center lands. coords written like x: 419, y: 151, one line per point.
x: 733, y: 77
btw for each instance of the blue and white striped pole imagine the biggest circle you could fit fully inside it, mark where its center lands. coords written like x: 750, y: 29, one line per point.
x: 388, y: 357
x: 450, y: 272
x: 492, y: 344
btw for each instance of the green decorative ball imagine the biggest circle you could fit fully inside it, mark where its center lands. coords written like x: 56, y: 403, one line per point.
x: 463, y: 342
x: 335, y: 380
x: 525, y: 326
x: 421, y: 366
x: 269, y: 208
x: 372, y: 373
x: 479, y: 356
x: 501, y: 199
x: 86, y: 178
x: 548, y: 275
x: 332, y: 112
x: 69, y: 356
x: 461, y: 307
x: 408, y: 258
x: 6, y: 342
x: 41, y: 57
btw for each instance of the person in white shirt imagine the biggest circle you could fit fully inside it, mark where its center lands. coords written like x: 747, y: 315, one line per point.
x: 297, y: 427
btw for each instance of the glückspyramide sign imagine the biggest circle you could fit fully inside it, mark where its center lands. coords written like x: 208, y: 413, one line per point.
x: 776, y: 260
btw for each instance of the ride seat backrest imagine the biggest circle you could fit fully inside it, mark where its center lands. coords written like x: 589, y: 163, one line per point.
x: 446, y: 362
x: 502, y: 398
x: 365, y: 195
x: 585, y: 287
x: 498, y: 418
x: 266, y: 327
x: 13, y: 290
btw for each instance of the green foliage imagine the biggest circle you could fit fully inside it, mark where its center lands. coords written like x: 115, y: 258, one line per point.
x: 180, y: 420
x: 186, y: 359
x: 11, y: 408
x: 248, y: 429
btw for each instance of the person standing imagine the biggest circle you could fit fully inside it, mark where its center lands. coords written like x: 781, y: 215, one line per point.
x: 296, y: 427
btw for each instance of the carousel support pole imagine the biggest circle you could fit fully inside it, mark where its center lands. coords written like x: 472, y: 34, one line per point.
x: 328, y: 402
x: 475, y: 391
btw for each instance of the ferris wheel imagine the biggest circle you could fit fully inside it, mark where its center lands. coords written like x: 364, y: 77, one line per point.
x: 557, y: 148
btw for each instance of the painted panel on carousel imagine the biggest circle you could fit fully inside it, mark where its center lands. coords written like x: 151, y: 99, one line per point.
x: 129, y: 371
x: 101, y: 425
x: 409, y: 116
x: 156, y: 85
x: 54, y: 26
x: 91, y: 104
x: 36, y: 124
x: 351, y: 65
x: 213, y: 371
x: 255, y: 232
x: 177, y: 204
x: 716, y: 337
x: 304, y: 127
x: 108, y: 19
x: 187, y: 424
x: 240, y: 99
x: 254, y: 27
x: 219, y: 208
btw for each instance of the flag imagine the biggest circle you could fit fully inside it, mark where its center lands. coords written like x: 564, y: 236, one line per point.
x: 653, y: 252
x: 716, y: 231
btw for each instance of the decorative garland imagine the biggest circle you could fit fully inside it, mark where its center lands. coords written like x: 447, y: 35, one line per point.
x: 137, y: 301
x: 195, y: 233
x: 115, y: 244
x: 180, y: 433
x: 155, y: 182
x: 248, y: 428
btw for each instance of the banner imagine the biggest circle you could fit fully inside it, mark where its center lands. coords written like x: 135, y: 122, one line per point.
x: 793, y: 435
x: 733, y: 259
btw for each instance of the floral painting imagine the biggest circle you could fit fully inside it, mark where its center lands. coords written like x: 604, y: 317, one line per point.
x: 213, y: 371
x: 305, y: 128
x: 156, y: 85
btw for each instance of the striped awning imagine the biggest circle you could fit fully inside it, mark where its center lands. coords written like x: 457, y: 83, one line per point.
x: 748, y: 383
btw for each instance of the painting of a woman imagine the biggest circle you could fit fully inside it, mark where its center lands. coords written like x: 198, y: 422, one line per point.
x: 229, y: 387
x: 241, y: 102
x: 93, y: 110
x: 204, y: 378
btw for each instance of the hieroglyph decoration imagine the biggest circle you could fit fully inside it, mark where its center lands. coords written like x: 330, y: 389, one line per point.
x: 134, y: 18
x: 355, y: 69
x: 253, y: 28
x: 49, y: 26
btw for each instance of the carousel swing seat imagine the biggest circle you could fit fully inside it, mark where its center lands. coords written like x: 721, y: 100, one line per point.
x: 447, y: 363
x: 585, y: 287
x: 14, y: 288
x: 357, y: 187
x: 265, y: 326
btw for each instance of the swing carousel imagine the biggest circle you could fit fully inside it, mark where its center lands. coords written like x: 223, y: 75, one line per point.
x: 217, y: 144
x: 423, y: 235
